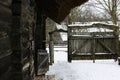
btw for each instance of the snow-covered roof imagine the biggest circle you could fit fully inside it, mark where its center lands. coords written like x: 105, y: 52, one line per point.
x: 94, y: 26
x: 96, y: 30
x: 90, y: 24
x: 62, y: 34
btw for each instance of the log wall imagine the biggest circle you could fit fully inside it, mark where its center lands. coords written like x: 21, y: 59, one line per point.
x: 5, y: 48
x: 17, y: 23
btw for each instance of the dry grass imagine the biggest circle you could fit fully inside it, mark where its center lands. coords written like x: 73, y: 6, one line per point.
x: 45, y: 77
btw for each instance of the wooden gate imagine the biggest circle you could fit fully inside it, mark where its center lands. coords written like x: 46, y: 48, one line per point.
x: 97, y: 41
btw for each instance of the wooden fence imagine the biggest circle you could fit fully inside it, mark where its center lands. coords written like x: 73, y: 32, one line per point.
x: 90, y: 42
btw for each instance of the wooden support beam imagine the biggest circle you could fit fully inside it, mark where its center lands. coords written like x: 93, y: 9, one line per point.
x: 51, y: 49
x: 69, y: 47
x: 15, y: 38
x: 40, y: 38
x: 94, y: 48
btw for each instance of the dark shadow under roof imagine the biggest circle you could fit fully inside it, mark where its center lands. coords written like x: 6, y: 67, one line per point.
x: 57, y: 10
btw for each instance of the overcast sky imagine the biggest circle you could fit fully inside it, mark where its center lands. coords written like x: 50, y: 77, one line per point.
x: 97, y: 11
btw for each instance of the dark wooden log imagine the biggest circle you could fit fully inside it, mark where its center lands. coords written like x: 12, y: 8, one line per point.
x: 6, y: 2
x: 5, y: 52
x: 5, y: 62
x: 23, y: 21
x: 5, y: 13
x: 8, y: 73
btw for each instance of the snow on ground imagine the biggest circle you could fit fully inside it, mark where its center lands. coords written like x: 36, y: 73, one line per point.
x: 83, y: 69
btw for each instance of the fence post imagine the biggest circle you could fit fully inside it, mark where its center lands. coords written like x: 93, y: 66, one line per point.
x: 51, y: 49
x: 93, y: 48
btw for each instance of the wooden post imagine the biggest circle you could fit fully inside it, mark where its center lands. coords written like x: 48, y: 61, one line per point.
x: 93, y: 47
x: 117, y: 44
x: 51, y: 49
x: 69, y: 46
x: 15, y: 37
x: 21, y: 40
x: 40, y: 36
x: 118, y: 60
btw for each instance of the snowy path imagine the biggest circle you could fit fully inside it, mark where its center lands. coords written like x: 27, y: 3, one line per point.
x: 83, y: 70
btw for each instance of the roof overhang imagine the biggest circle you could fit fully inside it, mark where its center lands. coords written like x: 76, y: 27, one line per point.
x: 57, y: 10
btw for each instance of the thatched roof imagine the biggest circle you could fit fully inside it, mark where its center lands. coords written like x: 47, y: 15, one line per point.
x: 57, y: 10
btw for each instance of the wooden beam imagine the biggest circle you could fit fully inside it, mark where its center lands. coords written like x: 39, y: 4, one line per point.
x: 90, y: 56
x: 59, y: 30
x: 15, y: 39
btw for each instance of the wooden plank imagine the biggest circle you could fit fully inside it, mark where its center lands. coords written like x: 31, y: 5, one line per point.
x: 90, y: 56
x: 79, y: 33
x: 89, y: 37
x: 107, y: 48
x: 82, y: 45
x: 89, y: 33
x: 79, y: 37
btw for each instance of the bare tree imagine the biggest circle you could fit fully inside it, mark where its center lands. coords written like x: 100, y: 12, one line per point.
x: 112, y: 8
x: 84, y: 13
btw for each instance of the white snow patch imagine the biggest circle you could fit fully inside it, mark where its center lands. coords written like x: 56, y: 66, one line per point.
x: 83, y: 69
